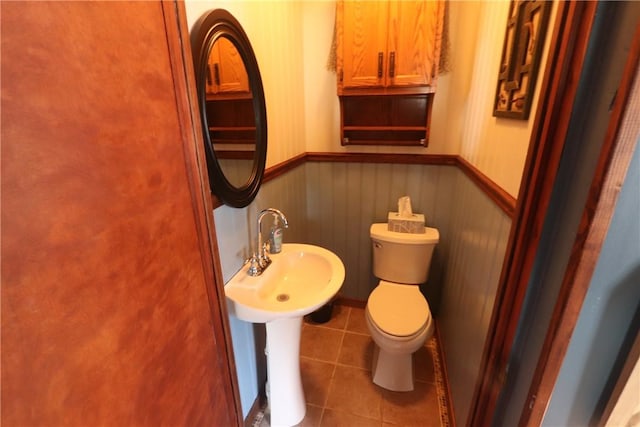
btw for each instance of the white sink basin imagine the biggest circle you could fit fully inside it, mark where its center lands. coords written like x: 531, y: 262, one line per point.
x: 300, y: 279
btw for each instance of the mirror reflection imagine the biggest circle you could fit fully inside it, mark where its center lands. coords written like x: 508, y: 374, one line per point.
x: 230, y: 113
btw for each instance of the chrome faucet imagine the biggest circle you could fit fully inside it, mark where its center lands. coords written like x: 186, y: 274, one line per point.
x: 260, y: 259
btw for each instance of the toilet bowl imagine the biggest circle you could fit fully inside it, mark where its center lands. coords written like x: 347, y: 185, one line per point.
x: 397, y: 314
x: 399, y: 321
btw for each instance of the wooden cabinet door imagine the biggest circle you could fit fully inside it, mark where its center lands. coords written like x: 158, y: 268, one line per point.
x: 213, y: 63
x: 412, y: 45
x: 388, y: 44
x: 362, y: 43
x: 227, y: 73
x: 111, y: 315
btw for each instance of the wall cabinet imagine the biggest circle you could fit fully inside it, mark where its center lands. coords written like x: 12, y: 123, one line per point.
x: 226, y: 73
x: 388, y: 44
x: 387, y: 55
x: 229, y: 102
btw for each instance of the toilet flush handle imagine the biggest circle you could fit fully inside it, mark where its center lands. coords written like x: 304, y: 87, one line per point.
x: 377, y: 245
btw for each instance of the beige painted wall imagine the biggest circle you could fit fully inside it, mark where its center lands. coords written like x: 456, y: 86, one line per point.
x: 275, y: 31
x: 322, y: 110
x: 462, y: 121
x: 292, y: 40
x: 496, y: 146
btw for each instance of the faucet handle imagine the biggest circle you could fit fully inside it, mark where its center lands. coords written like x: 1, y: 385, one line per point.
x: 255, y: 269
x: 263, y: 258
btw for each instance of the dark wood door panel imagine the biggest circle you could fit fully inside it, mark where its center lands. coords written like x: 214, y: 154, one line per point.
x: 105, y: 313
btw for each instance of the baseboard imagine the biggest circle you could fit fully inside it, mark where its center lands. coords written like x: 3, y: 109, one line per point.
x: 445, y: 375
x: 257, y: 406
x: 351, y: 302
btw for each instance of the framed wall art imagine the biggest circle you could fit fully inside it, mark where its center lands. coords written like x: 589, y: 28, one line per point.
x: 521, y: 52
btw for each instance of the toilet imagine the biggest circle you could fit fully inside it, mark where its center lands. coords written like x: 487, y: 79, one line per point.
x: 397, y: 314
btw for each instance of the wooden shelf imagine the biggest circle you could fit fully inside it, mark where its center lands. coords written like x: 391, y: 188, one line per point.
x: 232, y: 128
x: 396, y: 142
x: 238, y: 155
x: 231, y: 113
x: 239, y: 96
x: 385, y: 119
x: 386, y: 128
x: 233, y: 141
x: 386, y: 91
x: 231, y: 121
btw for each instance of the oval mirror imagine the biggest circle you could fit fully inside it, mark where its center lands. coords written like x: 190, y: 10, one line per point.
x: 232, y: 107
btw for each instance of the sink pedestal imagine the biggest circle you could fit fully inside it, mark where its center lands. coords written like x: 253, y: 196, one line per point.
x: 286, y: 397
x: 300, y: 279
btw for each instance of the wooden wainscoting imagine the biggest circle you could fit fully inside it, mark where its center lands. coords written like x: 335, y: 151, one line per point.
x: 504, y: 200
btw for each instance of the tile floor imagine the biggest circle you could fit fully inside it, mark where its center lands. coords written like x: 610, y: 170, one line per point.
x: 335, y: 362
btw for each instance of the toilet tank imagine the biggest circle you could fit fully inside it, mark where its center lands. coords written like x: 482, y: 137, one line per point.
x: 402, y: 257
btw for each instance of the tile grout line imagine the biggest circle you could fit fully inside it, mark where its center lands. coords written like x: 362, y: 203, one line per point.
x: 335, y: 366
x: 321, y: 416
x: 431, y: 347
x: 343, y: 329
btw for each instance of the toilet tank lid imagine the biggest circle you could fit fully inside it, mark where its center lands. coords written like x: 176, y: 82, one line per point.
x: 380, y: 231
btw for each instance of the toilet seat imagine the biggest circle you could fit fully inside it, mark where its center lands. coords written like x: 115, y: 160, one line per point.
x: 398, y: 310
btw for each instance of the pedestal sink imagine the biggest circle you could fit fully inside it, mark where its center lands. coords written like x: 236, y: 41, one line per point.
x: 300, y: 279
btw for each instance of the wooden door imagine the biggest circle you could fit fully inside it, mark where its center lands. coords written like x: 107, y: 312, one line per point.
x: 573, y: 37
x: 109, y: 306
x: 362, y: 43
x: 414, y: 42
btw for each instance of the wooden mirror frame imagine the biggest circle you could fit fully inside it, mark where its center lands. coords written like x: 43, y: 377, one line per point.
x: 210, y: 27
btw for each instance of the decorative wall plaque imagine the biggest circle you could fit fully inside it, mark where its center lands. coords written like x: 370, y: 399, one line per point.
x: 521, y: 52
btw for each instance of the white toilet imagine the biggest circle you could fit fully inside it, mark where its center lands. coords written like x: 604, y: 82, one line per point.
x: 397, y: 313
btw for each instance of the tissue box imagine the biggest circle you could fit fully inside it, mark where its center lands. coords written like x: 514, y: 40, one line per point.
x: 414, y: 224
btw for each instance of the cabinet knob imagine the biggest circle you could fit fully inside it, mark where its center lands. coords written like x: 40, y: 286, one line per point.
x: 380, y: 65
